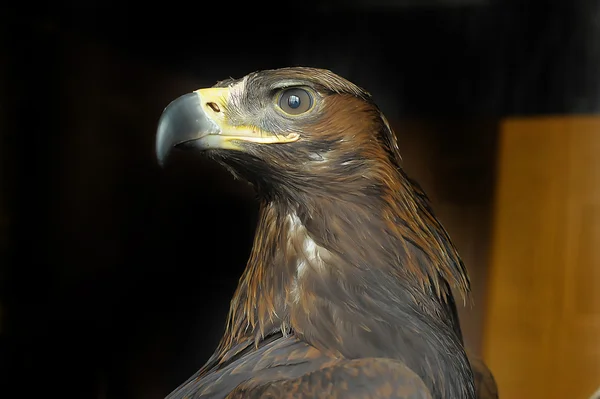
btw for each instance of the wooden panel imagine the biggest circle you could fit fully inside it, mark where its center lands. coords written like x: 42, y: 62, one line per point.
x: 542, y: 329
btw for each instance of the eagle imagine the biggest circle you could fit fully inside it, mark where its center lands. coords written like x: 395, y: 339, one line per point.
x: 348, y: 290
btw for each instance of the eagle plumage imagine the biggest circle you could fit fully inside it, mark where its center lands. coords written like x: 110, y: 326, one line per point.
x: 347, y: 292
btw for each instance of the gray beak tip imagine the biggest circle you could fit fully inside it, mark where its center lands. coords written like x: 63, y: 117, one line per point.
x: 163, y: 148
x: 182, y: 120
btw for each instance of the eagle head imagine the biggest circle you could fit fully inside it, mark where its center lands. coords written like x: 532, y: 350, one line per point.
x: 291, y: 132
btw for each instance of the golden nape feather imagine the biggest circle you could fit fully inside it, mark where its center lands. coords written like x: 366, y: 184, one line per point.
x: 347, y: 292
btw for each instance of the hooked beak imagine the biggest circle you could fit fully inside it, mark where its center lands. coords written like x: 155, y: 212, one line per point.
x: 199, y: 120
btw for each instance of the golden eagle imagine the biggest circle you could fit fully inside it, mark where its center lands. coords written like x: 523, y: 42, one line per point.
x: 347, y: 292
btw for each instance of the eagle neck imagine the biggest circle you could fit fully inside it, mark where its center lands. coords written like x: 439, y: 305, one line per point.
x: 337, y: 274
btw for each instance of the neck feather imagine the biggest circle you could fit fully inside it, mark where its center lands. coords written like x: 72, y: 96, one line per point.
x: 356, y: 276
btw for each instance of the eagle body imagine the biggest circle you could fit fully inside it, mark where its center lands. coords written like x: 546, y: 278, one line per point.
x: 347, y: 292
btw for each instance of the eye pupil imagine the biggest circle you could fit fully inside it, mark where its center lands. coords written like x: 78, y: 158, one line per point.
x: 294, y: 101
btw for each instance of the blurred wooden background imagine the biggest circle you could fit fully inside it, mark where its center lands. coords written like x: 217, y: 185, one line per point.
x: 542, y: 323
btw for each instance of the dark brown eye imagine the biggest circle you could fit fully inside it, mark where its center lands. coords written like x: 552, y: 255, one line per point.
x: 295, y: 101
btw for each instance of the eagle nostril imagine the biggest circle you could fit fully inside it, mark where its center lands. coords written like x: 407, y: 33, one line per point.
x: 214, y: 106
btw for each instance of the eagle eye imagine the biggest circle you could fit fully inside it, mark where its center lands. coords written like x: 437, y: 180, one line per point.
x: 295, y: 101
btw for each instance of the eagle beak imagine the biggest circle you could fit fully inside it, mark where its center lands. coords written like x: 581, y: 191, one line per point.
x: 199, y: 120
